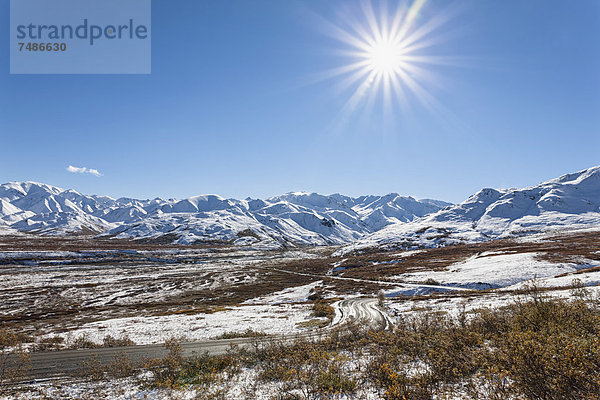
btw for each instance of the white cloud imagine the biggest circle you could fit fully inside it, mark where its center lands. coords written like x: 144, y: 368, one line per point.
x: 83, y: 170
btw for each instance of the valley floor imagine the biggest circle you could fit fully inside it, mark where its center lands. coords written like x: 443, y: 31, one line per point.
x: 78, y: 292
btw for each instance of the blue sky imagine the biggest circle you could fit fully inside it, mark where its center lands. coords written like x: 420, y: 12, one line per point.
x: 231, y: 107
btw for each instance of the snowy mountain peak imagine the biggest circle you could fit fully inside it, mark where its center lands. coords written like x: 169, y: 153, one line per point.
x: 571, y: 201
x: 292, y: 218
x: 586, y: 178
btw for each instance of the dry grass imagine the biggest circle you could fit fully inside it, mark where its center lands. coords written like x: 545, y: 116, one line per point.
x: 248, y: 333
x: 45, y: 307
x: 384, y: 265
x: 534, y: 349
x: 14, y: 360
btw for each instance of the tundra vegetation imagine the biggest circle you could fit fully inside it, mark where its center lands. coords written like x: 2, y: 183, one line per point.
x: 538, y: 348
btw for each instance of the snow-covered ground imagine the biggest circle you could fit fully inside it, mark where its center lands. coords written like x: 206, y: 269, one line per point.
x: 489, y: 270
x: 587, y: 279
x: 117, y: 292
x: 455, y: 305
x: 295, y: 294
x: 276, y: 319
x: 241, y: 386
x: 151, y: 277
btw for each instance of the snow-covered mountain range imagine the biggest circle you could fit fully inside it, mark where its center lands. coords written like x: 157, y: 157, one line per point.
x: 393, y: 221
x: 295, y: 218
x: 566, y: 203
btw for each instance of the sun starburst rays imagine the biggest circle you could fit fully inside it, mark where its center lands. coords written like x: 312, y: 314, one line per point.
x: 387, y: 53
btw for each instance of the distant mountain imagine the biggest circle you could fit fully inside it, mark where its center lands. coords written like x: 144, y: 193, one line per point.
x: 294, y: 218
x: 569, y: 202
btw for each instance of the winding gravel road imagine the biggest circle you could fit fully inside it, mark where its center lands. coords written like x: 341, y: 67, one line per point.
x: 46, y: 365
x: 364, y: 311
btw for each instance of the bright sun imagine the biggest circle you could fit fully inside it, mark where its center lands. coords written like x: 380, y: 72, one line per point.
x: 389, y: 54
x: 385, y: 57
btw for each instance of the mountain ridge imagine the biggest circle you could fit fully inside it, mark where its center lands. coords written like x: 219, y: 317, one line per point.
x: 291, y: 218
x: 571, y: 201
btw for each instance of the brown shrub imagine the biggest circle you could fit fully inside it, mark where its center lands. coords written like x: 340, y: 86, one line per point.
x: 323, y: 309
x: 165, y: 371
x: 123, y: 341
x: 14, y: 360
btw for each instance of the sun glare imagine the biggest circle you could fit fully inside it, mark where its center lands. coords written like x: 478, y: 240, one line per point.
x: 389, y: 54
x: 384, y: 57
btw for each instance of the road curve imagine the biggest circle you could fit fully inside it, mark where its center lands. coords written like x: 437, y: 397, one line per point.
x: 362, y: 311
x: 46, y: 365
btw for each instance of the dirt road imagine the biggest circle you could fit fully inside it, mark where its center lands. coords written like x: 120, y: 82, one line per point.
x: 365, y: 311
x: 46, y: 365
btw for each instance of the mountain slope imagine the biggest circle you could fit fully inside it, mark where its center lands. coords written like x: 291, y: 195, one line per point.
x: 293, y: 218
x: 569, y: 202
